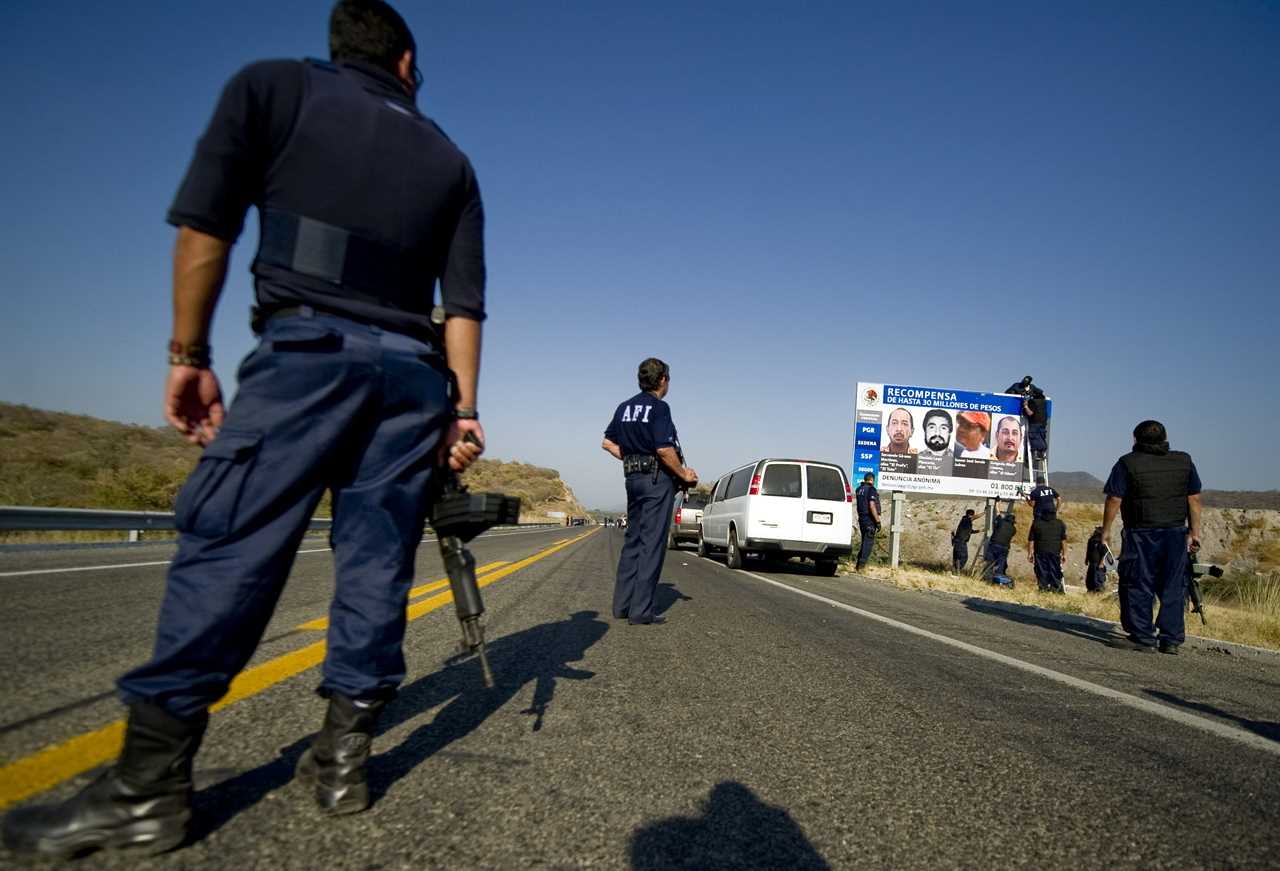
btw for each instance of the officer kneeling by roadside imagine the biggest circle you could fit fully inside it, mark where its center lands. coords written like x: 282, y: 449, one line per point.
x: 1156, y: 492
x: 643, y: 437
x: 364, y: 206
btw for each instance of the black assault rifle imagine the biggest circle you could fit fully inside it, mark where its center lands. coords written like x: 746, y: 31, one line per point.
x: 457, y: 517
x: 1195, y: 571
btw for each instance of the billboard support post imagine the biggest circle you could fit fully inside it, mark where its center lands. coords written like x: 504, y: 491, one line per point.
x: 989, y: 517
x: 898, y: 507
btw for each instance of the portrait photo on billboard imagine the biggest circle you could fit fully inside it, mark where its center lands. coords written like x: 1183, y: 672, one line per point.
x: 934, y: 441
x: 1007, y: 449
x: 897, y: 453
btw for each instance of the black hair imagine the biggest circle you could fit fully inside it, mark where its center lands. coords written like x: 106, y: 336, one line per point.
x: 651, y: 373
x: 937, y: 412
x: 1150, y: 432
x: 969, y: 511
x: 369, y: 30
x: 868, y: 478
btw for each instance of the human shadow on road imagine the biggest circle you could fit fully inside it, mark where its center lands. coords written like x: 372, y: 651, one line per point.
x: 1265, y: 728
x: 667, y: 595
x: 540, y: 654
x: 736, y: 830
x: 1030, y: 615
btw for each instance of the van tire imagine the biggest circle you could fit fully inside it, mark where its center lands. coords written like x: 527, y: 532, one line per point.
x: 826, y: 567
x: 733, y: 556
x: 703, y: 550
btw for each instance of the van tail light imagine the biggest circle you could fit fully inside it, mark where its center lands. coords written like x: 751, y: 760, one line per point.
x: 848, y: 493
x: 755, y: 485
x: 678, y: 510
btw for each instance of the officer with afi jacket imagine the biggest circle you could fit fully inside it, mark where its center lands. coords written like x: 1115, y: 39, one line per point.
x: 642, y: 436
x: 1156, y: 492
x: 364, y: 205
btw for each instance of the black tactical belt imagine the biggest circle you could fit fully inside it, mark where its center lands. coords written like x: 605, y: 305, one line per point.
x: 639, y: 463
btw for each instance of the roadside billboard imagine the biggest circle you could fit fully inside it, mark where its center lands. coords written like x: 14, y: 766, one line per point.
x: 940, y: 440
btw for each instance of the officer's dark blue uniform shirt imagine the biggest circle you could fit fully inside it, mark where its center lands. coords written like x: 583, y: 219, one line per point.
x: 641, y: 425
x: 1118, y: 481
x: 289, y: 137
x: 1043, y: 499
x: 866, y: 494
x: 964, y: 529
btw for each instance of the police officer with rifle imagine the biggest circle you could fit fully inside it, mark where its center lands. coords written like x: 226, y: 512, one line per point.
x: 364, y: 205
x: 1157, y: 493
x: 642, y: 436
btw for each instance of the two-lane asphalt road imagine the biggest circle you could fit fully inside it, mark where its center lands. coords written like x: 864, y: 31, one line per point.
x: 778, y: 720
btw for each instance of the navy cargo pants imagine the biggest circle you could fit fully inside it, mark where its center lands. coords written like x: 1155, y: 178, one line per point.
x: 1095, y: 578
x: 1153, y: 565
x: 323, y: 404
x: 997, y: 559
x: 649, y: 504
x: 1049, y: 572
x: 868, y: 532
x: 959, y: 554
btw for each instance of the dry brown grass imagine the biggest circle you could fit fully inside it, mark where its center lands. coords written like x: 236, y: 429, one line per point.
x: 1252, y: 617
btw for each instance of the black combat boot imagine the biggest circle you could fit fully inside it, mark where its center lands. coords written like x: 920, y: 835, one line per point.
x: 334, y: 764
x: 144, y: 800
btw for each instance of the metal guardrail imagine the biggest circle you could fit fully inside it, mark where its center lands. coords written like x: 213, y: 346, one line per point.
x: 14, y: 517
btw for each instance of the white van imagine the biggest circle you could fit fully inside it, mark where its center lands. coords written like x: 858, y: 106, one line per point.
x: 780, y: 508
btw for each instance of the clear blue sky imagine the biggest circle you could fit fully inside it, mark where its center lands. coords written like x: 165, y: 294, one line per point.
x: 780, y: 199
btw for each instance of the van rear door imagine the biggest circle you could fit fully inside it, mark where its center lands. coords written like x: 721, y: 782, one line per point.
x: 828, y: 514
x: 777, y: 509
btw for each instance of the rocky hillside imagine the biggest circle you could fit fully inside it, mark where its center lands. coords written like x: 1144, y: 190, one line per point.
x: 49, y: 458
x: 1242, y: 540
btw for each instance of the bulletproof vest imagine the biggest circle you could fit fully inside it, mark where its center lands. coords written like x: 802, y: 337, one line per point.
x: 358, y: 206
x: 1003, y: 532
x: 1156, y: 496
x: 1047, y: 534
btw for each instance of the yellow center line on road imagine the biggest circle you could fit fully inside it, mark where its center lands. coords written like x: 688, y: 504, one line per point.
x: 322, y: 623
x: 46, y: 768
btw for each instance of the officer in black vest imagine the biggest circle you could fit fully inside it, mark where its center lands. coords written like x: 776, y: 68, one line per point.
x: 867, y: 499
x: 1035, y: 408
x: 365, y: 205
x: 960, y: 541
x: 1095, y: 554
x: 1003, y: 528
x: 1156, y: 492
x: 643, y: 437
x: 1047, y: 550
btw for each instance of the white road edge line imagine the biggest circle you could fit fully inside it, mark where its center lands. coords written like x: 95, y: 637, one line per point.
x: 1222, y: 730
x: 166, y: 562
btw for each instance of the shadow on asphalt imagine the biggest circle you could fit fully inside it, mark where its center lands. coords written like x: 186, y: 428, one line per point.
x: 735, y: 830
x: 1265, y: 728
x: 1029, y: 615
x: 540, y: 655
x: 667, y: 595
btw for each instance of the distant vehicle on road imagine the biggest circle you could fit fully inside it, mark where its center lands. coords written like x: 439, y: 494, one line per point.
x: 686, y: 519
x: 780, y: 508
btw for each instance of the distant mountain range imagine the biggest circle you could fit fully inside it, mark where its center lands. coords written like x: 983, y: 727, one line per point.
x: 1084, y: 487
